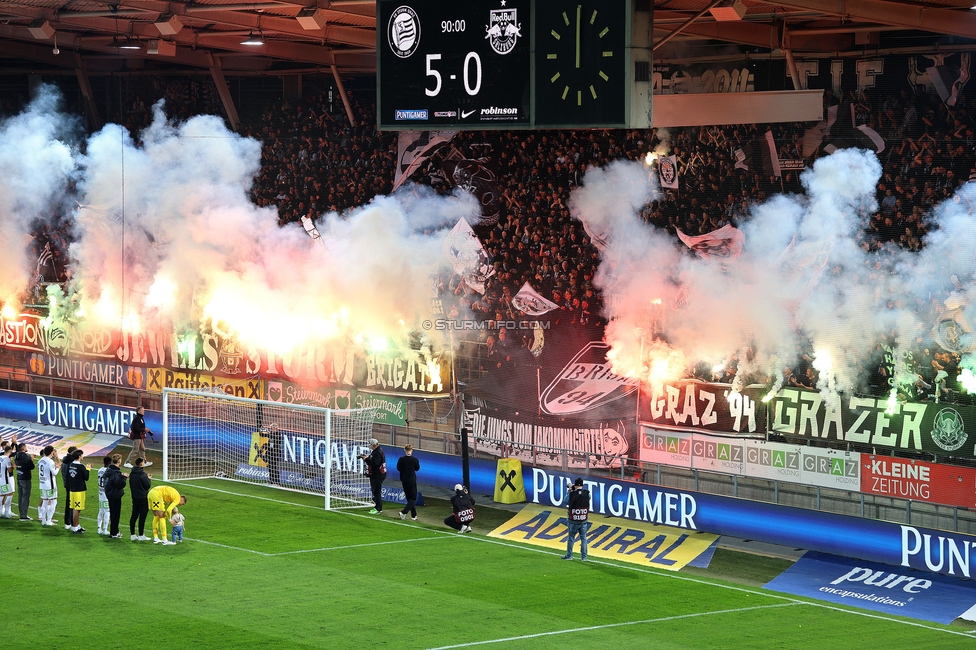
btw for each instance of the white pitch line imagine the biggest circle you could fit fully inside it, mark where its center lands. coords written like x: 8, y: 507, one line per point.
x: 639, y: 569
x: 233, y: 548
x: 339, y: 548
x: 590, y: 628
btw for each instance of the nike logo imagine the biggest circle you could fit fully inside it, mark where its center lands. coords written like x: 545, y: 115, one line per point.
x: 467, y: 113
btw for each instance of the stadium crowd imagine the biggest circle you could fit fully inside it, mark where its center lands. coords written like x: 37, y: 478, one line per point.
x: 314, y: 162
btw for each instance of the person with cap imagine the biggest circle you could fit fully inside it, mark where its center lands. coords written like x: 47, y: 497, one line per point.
x: 577, y: 515
x: 463, y: 504
x: 375, y: 465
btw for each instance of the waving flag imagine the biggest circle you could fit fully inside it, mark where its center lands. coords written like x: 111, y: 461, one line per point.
x: 413, y: 148
x: 468, y: 257
x: 530, y: 302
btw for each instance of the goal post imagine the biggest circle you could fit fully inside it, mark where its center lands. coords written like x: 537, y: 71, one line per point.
x: 286, y: 446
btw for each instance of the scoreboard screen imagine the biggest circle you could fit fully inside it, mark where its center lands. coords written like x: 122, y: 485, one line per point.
x: 449, y: 63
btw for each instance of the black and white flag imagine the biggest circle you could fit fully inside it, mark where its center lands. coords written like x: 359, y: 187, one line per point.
x: 413, y: 148
x: 667, y: 167
x: 312, y: 231
x: 759, y: 155
x: 949, y: 81
x: 530, y: 302
x: 468, y: 257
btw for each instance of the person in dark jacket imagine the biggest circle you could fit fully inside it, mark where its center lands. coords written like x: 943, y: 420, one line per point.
x: 137, y: 433
x: 463, y: 504
x: 577, y: 517
x: 375, y: 463
x: 407, y: 466
x: 114, y: 490
x: 25, y: 468
x: 65, y: 462
x: 139, y: 485
x: 77, y: 485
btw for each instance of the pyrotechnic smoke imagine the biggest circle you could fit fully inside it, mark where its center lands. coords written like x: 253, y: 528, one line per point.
x: 35, y: 165
x: 166, y: 234
x: 196, y: 247
x: 803, y: 277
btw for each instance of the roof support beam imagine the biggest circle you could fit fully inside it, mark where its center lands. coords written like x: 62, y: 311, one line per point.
x: 907, y: 16
x: 225, y: 97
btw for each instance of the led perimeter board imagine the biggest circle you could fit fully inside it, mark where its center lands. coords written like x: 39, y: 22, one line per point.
x: 503, y: 64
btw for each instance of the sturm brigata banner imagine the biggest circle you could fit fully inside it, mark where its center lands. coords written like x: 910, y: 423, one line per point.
x: 60, y: 347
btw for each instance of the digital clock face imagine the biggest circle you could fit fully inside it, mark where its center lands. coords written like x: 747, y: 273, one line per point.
x: 580, y: 57
x: 444, y: 63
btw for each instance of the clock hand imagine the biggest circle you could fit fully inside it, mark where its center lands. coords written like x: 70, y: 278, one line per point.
x: 579, y: 9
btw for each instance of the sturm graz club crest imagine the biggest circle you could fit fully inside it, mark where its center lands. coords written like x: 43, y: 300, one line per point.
x: 503, y: 30
x: 948, y: 431
x: 668, y: 172
x: 404, y: 32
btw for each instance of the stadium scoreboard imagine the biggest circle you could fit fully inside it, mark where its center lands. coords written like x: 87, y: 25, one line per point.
x: 504, y: 64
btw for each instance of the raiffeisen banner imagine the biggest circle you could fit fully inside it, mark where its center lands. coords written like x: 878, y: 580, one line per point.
x: 877, y: 541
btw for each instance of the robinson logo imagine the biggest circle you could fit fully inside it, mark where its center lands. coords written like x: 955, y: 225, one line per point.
x: 404, y: 31
x: 948, y: 431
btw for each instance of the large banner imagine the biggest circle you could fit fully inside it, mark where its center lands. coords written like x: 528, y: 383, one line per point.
x: 941, y: 429
x: 92, y: 372
x: 828, y: 468
x: 689, y: 404
x: 59, y: 346
x: 541, y: 440
x: 943, y: 75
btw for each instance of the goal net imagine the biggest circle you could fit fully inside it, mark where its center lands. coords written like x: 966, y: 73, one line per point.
x: 288, y: 446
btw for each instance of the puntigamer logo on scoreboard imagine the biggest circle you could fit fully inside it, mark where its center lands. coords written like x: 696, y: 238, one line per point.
x: 404, y: 32
x: 416, y: 114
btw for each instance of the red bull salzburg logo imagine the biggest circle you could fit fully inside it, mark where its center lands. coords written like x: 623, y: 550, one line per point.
x: 586, y: 383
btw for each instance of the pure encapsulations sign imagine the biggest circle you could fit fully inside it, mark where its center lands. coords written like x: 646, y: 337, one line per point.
x: 881, y: 587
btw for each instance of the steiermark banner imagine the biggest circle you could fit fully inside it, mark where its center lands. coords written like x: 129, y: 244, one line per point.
x: 390, y: 410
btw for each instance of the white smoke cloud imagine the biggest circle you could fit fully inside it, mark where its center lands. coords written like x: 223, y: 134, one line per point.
x: 802, y: 277
x: 35, y: 165
x: 195, y: 247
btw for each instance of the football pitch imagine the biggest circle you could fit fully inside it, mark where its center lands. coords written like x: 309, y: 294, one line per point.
x: 268, y: 568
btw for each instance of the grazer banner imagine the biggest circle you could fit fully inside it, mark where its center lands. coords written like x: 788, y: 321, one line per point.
x: 754, y: 458
x: 540, y: 439
x: 391, y: 372
x: 941, y: 429
x: 904, y: 478
x: 690, y: 404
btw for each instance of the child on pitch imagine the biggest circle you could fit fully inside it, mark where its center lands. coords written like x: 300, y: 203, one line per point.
x: 162, y: 500
x: 8, y: 480
x: 177, y: 521
x: 103, y: 514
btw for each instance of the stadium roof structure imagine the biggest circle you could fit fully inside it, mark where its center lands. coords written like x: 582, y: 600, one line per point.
x: 104, y: 36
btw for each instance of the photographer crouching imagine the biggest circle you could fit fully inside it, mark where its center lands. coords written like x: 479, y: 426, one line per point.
x: 577, y: 515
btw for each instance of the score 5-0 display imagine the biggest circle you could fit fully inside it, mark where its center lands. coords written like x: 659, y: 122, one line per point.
x: 483, y: 64
x: 443, y: 63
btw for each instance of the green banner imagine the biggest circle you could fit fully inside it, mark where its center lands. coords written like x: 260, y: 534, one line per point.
x: 941, y: 429
x: 390, y: 410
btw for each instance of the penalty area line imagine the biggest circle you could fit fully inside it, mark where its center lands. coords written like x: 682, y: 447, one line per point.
x: 590, y: 628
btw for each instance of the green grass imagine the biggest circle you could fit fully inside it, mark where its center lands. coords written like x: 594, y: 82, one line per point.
x: 278, y: 571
